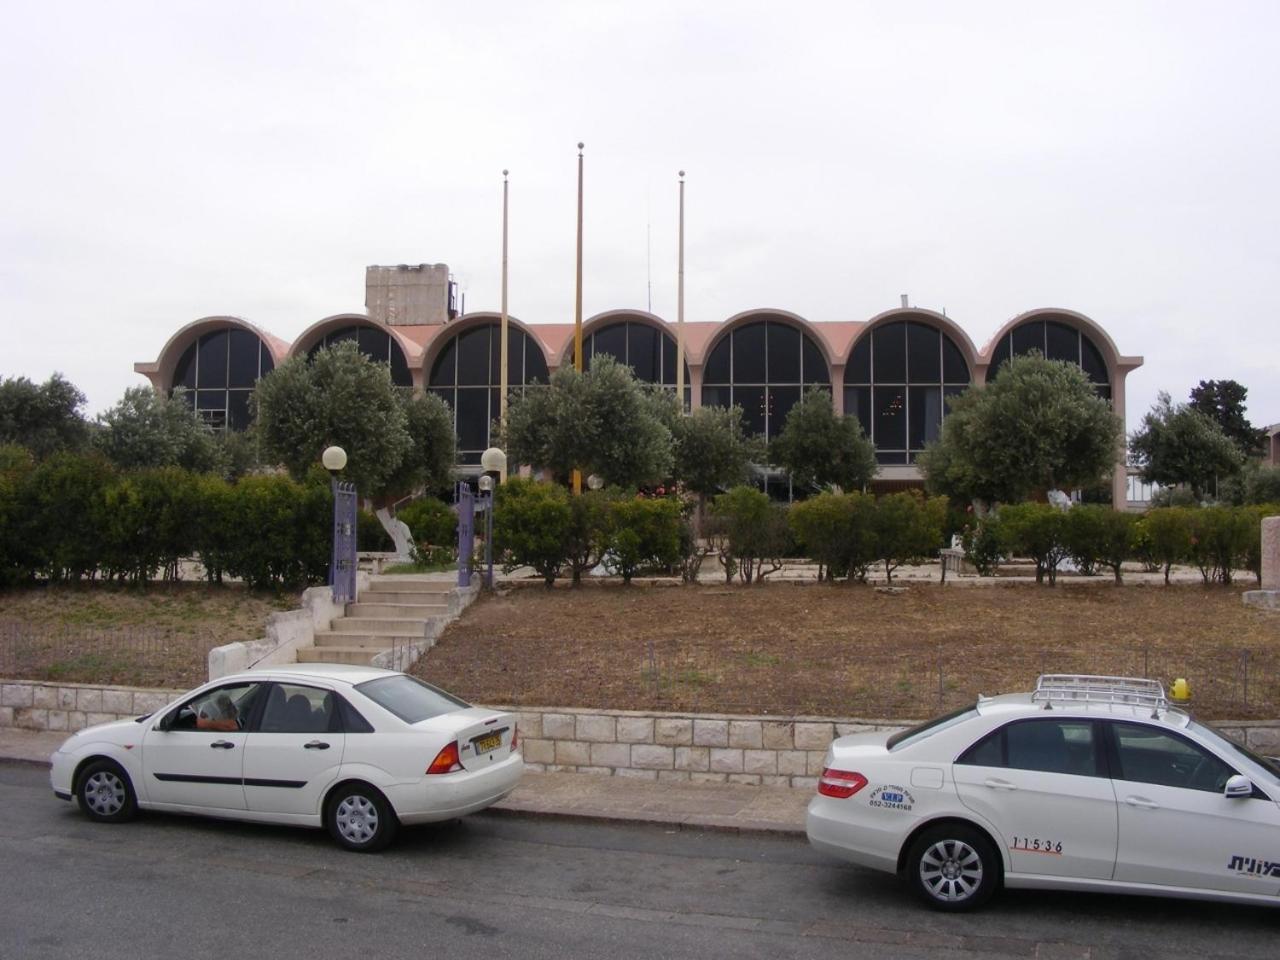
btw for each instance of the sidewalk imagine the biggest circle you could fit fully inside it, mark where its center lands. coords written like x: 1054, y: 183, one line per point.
x: 729, y: 807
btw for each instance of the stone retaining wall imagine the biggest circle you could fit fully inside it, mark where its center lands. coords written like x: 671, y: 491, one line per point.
x: 33, y: 705
x: 707, y: 748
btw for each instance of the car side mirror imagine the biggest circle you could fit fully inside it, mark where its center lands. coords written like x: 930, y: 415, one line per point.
x: 1238, y: 787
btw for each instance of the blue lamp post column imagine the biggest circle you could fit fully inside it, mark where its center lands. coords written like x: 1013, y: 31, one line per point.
x: 494, y: 464
x: 342, y: 563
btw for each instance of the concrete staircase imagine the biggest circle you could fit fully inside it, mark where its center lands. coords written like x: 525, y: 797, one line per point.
x: 396, y: 619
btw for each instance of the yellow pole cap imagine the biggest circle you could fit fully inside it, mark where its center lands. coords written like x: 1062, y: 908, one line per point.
x: 1181, y: 690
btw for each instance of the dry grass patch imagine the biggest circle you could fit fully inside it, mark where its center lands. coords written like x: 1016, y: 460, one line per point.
x: 849, y: 650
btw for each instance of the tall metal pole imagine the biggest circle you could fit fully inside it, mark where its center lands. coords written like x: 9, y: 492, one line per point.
x: 680, y: 306
x: 577, y: 307
x: 503, y: 385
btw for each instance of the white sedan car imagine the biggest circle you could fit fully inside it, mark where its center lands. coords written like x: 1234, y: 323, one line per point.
x: 355, y: 749
x: 1089, y: 783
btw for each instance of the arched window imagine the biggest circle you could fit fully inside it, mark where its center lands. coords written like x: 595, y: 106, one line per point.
x: 1056, y: 340
x: 219, y: 371
x: 763, y: 367
x: 375, y: 344
x: 648, y: 351
x: 467, y: 375
x: 897, y: 381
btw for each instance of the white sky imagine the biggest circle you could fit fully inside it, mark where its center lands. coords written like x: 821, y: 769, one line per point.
x: 167, y: 161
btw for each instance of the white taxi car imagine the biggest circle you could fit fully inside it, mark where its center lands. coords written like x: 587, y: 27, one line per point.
x: 1088, y: 783
x: 355, y: 749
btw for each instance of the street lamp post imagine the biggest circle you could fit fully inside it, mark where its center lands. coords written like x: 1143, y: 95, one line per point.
x: 494, y: 464
x: 342, y: 561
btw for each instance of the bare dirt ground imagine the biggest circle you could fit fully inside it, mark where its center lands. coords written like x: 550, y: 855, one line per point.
x: 159, y: 635
x: 851, y: 650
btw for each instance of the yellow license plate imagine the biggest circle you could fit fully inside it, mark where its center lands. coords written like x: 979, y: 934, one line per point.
x: 488, y: 744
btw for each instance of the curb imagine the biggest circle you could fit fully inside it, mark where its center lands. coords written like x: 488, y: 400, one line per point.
x: 690, y: 824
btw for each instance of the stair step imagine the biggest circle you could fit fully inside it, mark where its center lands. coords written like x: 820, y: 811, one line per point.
x: 397, y: 610
x: 379, y: 626
x: 438, y: 601
x: 358, y: 655
x: 410, y: 585
x: 380, y: 642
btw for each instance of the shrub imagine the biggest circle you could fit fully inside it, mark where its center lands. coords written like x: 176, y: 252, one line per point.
x: 280, y: 531
x: 590, y: 525
x: 751, y: 532
x: 147, y: 523
x: 531, y: 526
x: 1035, y: 530
x: 1220, y: 540
x: 983, y: 545
x: 1168, y: 534
x: 65, y: 510
x: 371, y: 534
x: 837, y: 530
x: 1116, y: 539
x: 642, y: 532
x: 432, y: 522
x: 1142, y: 550
x: 1083, y: 531
x: 908, y: 528
x: 17, y: 561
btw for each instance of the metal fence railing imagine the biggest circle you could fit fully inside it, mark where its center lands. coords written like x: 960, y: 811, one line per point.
x: 127, y: 656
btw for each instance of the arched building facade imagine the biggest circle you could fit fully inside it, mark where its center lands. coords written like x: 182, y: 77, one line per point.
x: 894, y: 371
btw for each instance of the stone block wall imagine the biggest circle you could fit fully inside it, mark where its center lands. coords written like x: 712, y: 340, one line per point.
x: 34, y: 705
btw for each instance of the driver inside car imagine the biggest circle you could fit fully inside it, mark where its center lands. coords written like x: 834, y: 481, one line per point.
x: 218, y: 713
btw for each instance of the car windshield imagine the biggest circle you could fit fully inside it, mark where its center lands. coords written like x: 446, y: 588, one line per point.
x: 409, y: 698
x: 1231, y: 747
x: 905, y: 738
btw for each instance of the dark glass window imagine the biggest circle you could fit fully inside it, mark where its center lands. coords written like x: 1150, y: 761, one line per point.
x: 212, y: 371
x: 752, y: 401
x: 925, y: 406
x: 781, y: 400
x: 516, y: 347
x: 1052, y: 746
x: 716, y: 369
x: 999, y: 357
x: 352, y: 720
x: 643, y: 352
x: 1029, y: 336
x: 1150, y: 755
x: 858, y: 369
x: 611, y: 340
x: 473, y: 357
x: 444, y: 369
x: 749, y: 343
x: 410, y: 699
x: 669, y: 362
x: 1092, y: 362
x: 891, y: 418
x: 784, y: 353
x: 889, y: 353
x: 375, y: 344
x: 291, y: 708
x: 238, y: 417
x: 472, y: 415
x: 1062, y: 342
x: 987, y: 752
x: 924, y: 356
x: 815, y: 365
x: 535, y: 361
x: 954, y: 369
x: 242, y: 365
x: 857, y: 403
x: 717, y: 396
x: 184, y: 374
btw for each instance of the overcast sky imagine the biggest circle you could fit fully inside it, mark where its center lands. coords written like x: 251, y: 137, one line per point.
x: 167, y: 161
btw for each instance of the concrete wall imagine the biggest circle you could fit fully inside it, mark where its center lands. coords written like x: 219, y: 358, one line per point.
x: 32, y: 705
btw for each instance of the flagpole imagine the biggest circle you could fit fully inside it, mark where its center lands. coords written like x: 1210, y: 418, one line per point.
x: 680, y: 306
x: 577, y: 307
x: 503, y: 384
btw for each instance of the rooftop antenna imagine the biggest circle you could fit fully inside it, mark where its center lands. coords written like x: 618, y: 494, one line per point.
x: 648, y: 263
x: 904, y: 301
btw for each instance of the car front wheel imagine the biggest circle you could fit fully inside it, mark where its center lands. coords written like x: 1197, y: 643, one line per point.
x: 105, y: 793
x: 953, y: 867
x: 359, y: 818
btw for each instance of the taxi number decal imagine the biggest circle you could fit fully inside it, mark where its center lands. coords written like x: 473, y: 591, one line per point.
x: 1037, y: 845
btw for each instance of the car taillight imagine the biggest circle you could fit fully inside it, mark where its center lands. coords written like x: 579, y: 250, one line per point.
x: 840, y: 784
x: 446, y: 760
x: 515, y: 737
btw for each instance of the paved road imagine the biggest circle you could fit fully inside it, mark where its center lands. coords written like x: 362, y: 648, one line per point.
x: 494, y: 886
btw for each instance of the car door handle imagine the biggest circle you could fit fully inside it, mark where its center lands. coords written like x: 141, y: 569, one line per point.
x: 1142, y: 802
x: 222, y: 745
x: 315, y: 745
x: 999, y: 784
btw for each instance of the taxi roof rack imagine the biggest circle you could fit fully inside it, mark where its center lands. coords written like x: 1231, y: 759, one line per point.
x: 1083, y: 688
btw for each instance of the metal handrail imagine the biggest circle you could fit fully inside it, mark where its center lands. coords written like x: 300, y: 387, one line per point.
x: 1084, y: 688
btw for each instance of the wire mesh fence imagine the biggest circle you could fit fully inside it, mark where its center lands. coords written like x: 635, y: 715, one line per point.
x: 917, y: 681
x: 131, y: 656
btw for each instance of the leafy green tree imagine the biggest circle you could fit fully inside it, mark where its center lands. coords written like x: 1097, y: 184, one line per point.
x: 1168, y: 534
x: 642, y: 532
x: 146, y: 430
x: 44, y: 418
x: 1223, y: 402
x: 17, y: 562
x: 908, y: 528
x: 1038, y: 531
x: 428, y: 463
x: 432, y: 522
x: 1084, y: 529
x: 600, y: 422
x: 1220, y: 541
x: 591, y: 518
x: 1178, y: 444
x: 821, y: 449
x: 531, y: 526
x: 67, y: 515
x: 339, y: 396
x: 1040, y: 425
x: 837, y: 530
x: 752, y: 531
x: 1117, y: 539
x: 1257, y: 483
x: 712, y: 450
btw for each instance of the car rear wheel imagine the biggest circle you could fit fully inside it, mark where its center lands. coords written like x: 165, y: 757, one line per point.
x: 105, y: 793
x: 953, y: 867
x: 359, y: 818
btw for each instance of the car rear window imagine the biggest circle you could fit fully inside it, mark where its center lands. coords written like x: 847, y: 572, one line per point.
x: 905, y: 738
x: 409, y: 698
